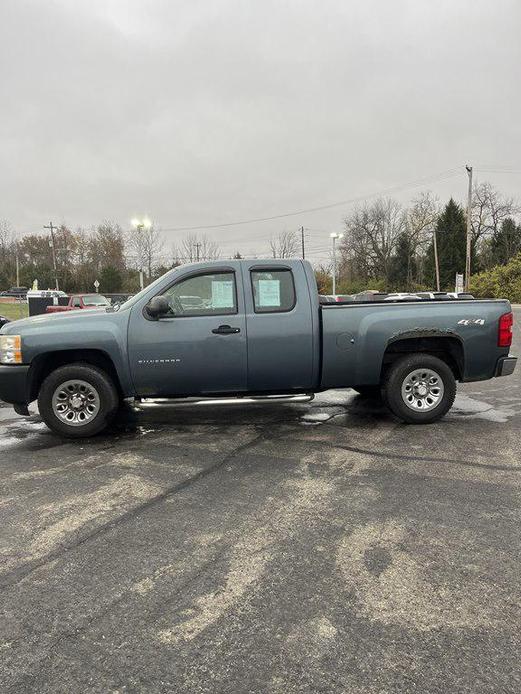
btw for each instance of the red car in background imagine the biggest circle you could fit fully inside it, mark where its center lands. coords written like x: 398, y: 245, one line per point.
x: 81, y: 301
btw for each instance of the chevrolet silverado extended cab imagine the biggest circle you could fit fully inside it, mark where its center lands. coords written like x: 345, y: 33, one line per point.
x: 256, y: 331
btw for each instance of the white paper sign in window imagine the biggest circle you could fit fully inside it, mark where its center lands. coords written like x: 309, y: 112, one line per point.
x: 222, y: 294
x: 269, y: 293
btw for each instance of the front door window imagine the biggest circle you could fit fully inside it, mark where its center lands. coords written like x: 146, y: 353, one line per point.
x: 203, y: 295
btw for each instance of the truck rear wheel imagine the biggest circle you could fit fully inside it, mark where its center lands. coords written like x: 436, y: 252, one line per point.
x: 419, y: 388
x: 78, y: 400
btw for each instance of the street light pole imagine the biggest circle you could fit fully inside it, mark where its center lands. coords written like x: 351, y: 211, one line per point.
x: 51, y: 228
x: 17, y: 266
x: 469, y: 230
x: 140, y: 225
x: 436, y: 261
x: 334, y: 236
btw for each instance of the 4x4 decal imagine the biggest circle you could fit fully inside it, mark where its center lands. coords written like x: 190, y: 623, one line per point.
x: 471, y: 321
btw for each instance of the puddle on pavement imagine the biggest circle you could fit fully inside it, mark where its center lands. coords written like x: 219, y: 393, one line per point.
x: 465, y: 406
x: 315, y: 417
x: 326, y: 407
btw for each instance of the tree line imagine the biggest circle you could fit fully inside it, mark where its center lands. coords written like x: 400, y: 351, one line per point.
x: 110, y: 255
x: 386, y: 246
x: 105, y: 253
x: 389, y: 247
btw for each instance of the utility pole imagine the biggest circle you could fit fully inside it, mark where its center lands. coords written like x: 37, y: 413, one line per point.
x: 51, y: 228
x: 436, y: 261
x: 334, y: 236
x: 17, y: 266
x: 303, y: 249
x: 469, y: 229
x: 197, y: 249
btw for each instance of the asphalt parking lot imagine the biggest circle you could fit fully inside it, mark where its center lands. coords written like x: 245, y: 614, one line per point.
x: 318, y: 547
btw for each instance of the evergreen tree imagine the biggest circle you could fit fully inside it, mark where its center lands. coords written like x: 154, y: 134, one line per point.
x: 403, y: 264
x: 505, y: 243
x: 451, y: 233
x: 110, y: 279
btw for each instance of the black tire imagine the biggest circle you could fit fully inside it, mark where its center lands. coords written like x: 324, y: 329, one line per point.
x: 396, y: 376
x: 107, y: 399
x: 369, y: 391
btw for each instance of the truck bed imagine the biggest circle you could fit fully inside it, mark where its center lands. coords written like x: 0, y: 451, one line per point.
x: 356, y: 335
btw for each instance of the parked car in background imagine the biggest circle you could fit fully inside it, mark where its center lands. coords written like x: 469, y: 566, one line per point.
x: 334, y: 298
x: 371, y: 295
x: 15, y: 293
x: 80, y: 301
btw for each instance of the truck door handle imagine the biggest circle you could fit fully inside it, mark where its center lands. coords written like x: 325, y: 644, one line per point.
x: 226, y: 330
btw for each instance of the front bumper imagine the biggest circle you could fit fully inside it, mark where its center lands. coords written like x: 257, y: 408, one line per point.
x: 14, y: 383
x: 505, y: 366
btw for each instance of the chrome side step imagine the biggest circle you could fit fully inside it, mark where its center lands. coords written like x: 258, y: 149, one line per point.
x: 246, y: 400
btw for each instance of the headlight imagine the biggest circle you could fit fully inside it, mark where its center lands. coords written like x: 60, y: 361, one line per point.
x: 10, y: 349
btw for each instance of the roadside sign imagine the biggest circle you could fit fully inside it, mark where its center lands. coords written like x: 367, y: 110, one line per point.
x: 459, y: 283
x: 96, y: 285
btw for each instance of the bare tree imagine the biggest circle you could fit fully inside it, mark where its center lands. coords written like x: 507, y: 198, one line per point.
x: 489, y: 209
x: 371, y: 234
x: 421, y: 220
x: 153, y: 250
x: 7, y: 252
x: 6, y: 233
x: 285, y: 244
x: 108, y: 246
x: 146, y: 248
x: 66, y: 252
x: 194, y: 248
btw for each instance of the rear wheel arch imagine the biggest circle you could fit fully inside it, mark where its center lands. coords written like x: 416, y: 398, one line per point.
x: 446, y: 346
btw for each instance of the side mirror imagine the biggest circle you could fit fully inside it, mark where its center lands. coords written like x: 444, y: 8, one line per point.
x: 158, y: 306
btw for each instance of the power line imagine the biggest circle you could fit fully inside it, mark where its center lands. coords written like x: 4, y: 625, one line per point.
x: 443, y: 175
x: 498, y: 170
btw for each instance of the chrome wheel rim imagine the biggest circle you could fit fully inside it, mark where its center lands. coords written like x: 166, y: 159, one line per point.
x: 422, y: 390
x: 76, y: 402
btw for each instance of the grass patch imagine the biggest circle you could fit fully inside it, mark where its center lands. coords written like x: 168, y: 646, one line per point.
x: 14, y: 311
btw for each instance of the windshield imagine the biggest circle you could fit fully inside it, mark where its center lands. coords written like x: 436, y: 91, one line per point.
x: 95, y: 300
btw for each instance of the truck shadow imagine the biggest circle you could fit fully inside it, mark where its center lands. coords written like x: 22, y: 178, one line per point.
x: 31, y: 434
x: 355, y: 407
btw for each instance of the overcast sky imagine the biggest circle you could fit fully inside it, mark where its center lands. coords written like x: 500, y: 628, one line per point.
x: 200, y: 112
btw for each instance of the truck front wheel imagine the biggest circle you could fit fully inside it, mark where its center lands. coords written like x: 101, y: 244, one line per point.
x: 419, y: 388
x: 77, y: 400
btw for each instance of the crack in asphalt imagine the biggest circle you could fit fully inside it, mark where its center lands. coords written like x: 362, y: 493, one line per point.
x: 421, y: 459
x: 19, y: 573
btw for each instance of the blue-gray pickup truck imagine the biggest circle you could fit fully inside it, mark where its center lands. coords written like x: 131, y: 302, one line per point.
x: 251, y: 329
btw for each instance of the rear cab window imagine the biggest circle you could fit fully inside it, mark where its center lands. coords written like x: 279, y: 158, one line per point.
x: 273, y: 290
x: 93, y: 300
